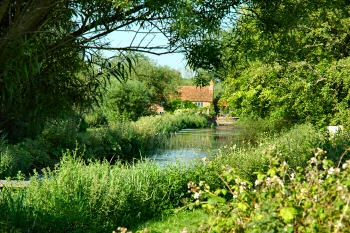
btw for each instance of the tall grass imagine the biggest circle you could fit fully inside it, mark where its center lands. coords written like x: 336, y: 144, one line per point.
x: 99, y: 197
x: 295, y: 146
x: 121, y: 140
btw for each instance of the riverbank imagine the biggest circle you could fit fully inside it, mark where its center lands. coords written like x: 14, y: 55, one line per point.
x: 120, y: 140
x: 100, y: 197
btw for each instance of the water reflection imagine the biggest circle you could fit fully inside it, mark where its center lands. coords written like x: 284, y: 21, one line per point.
x: 189, y: 144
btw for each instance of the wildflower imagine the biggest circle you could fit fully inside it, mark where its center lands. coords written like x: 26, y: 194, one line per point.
x: 258, y: 182
x: 190, y: 185
x: 320, y: 152
x: 268, y: 180
x: 272, y: 147
x: 201, y: 183
x: 341, y: 188
x: 277, y: 180
x: 313, y: 160
x: 345, y: 165
x: 330, y: 171
x: 185, y: 230
x: 197, y: 195
x: 292, y: 176
x: 122, y: 229
x: 339, y: 224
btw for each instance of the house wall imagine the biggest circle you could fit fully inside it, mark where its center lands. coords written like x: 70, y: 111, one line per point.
x: 206, y: 104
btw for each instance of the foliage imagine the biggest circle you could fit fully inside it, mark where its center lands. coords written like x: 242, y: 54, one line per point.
x: 53, y: 64
x: 294, y: 93
x: 75, y: 197
x: 287, y: 60
x: 287, y: 31
x: 281, y: 199
x: 173, y: 104
x: 148, y: 85
x: 99, y: 197
x: 127, y: 101
x: 253, y: 129
x: 161, y: 81
x: 293, y: 146
x: 121, y: 140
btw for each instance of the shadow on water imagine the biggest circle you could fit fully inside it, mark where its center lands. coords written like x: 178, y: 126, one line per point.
x: 189, y: 144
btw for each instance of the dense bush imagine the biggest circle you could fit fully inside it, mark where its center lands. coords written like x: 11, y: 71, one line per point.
x: 127, y: 101
x: 282, y: 199
x: 296, y: 93
x: 173, y: 104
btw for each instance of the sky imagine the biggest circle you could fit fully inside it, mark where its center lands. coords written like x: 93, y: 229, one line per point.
x: 175, y: 60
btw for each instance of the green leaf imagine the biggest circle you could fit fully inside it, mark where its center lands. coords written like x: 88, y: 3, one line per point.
x: 242, y: 206
x: 215, y: 200
x: 288, y: 214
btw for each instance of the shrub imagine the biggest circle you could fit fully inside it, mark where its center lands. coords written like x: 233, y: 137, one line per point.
x: 314, y: 199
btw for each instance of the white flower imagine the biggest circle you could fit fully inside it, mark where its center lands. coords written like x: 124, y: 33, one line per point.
x: 292, y: 176
x: 258, y: 182
x: 313, y: 160
x: 197, y: 195
x: 339, y: 224
x: 330, y: 171
x: 345, y: 166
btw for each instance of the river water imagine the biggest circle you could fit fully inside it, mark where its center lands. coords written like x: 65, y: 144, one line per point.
x: 187, y: 145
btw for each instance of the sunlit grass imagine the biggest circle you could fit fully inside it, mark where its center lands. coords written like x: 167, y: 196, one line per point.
x: 189, y: 220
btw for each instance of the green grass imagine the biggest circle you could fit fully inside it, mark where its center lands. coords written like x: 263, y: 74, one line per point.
x: 123, y: 140
x: 100, y: 197
x: 189, y: 219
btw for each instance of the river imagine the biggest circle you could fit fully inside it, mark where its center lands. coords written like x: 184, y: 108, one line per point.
x: 189, y: 144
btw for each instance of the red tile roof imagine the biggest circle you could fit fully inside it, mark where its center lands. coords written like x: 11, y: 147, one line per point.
x: 198, y: 94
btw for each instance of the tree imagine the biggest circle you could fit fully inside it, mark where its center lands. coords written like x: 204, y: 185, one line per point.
x: 50, y: 50
x: 127, y: 101
x: 160, y: 80
x: 287, y: 60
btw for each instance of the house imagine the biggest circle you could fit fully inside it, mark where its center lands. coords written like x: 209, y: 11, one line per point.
x: 200, y: 96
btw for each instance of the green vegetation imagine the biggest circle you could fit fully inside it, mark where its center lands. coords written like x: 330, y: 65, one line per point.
x: 76, y: 121
x: 100, y: 197
x: 52, y: 51
x: 312, y: 198
x: 123, y: 140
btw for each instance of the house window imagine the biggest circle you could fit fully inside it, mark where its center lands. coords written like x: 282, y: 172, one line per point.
x: 199, y: 104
